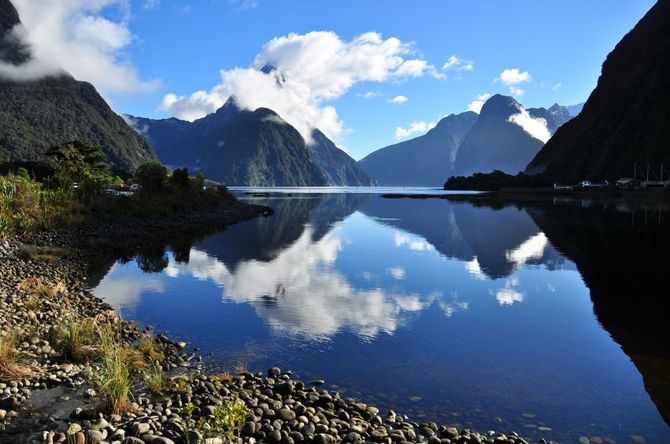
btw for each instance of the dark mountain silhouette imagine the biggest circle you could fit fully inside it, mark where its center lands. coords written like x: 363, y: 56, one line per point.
x: 255, y: 148
x: 425, y: 160
x: 36, y: 115
x: 625, y: 120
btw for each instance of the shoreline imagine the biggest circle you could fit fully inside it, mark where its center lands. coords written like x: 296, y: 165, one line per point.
x: 60, y: 395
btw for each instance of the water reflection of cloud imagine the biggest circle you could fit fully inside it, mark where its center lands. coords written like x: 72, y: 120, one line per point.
x: 532, y: 248
x: 300, y: 293
x: 509, y: 294
x: 413, y: 243
x: 475, y: 269
x: 125, y: 292
x: 396, y: 272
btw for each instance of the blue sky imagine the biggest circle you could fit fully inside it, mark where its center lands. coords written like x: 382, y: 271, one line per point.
x: 155, y: 48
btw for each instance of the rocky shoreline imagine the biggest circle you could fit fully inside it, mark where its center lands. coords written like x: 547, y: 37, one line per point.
x: 54, y: 398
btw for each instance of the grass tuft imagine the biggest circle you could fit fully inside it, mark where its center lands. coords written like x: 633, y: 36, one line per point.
x: 76, y: 338
x: 155, y: 379
x: 114, y: 378
x: 147, y: 347
x: 10, y: 368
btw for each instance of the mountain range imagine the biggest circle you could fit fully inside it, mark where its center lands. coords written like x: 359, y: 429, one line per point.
x: 254, y: 148
x: 625, y: 119
x: 35, y: 115
x: 503, y: 136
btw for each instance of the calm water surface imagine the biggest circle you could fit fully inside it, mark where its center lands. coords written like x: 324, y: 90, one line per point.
x: 488, y: 315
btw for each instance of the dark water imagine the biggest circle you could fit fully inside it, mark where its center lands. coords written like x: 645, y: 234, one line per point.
x: 489, y: 315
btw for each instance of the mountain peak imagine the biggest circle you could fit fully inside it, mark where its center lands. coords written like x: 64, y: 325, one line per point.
x: 499, y: 104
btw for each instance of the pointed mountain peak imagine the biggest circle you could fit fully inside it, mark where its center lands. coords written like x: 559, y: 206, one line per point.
x: 499, y: 104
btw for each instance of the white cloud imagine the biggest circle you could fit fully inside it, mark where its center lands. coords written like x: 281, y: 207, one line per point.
x: 512, y: 76
x: 476, y: 105
x: 415, y: 127
x: 458, y: 65
x: 76, y: 36
x: 309, y: 298
x: 397, y: 272
x: 535, y: 126
x: 369, y: 94
x: 126, y: 291
x: 413, y: 243
x: 532, y: 248
x: 398, y: 100
x: 509, y: 295
x: 475, y: 269
x: 307, y: 70
x: 556, y: 87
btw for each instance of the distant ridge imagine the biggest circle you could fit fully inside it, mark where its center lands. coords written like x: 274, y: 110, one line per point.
x: 425, y: 160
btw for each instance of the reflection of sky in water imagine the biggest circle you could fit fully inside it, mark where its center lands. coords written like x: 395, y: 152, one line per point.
x: 390, y: 315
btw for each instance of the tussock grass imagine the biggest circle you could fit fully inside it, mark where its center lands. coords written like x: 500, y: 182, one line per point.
x: 10, y: 368
x: 154, y: 378
x: 147, y: 347
x: 114, y: 377
x: 36, y: 287
x: 76, y: 338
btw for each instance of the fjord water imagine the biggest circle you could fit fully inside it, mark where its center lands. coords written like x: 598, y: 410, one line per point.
x: 547, y: 318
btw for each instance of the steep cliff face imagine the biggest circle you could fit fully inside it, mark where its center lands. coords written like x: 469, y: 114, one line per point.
x: 35, y: 115
x: 625, y: 120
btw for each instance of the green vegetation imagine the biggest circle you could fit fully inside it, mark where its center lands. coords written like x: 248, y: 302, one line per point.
x: 37, y: 115
x: 73, y: 191
x: 227, y: 420
x: 75, y: 338
x: 113, y: 375
x: 155, y: 379
x: 27, y: 205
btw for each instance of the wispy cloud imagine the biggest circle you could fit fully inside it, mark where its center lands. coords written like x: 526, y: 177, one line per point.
x: 458, y: 66
x: 414, y: 128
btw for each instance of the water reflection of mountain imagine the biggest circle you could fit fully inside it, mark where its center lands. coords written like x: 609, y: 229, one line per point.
x: 624, y: 261
x: 497, y: 240
x: 263, y: 239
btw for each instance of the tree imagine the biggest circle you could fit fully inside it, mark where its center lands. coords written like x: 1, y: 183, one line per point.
x: 179, y: 178
x: 151, y: 176
x: 77, y: 163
